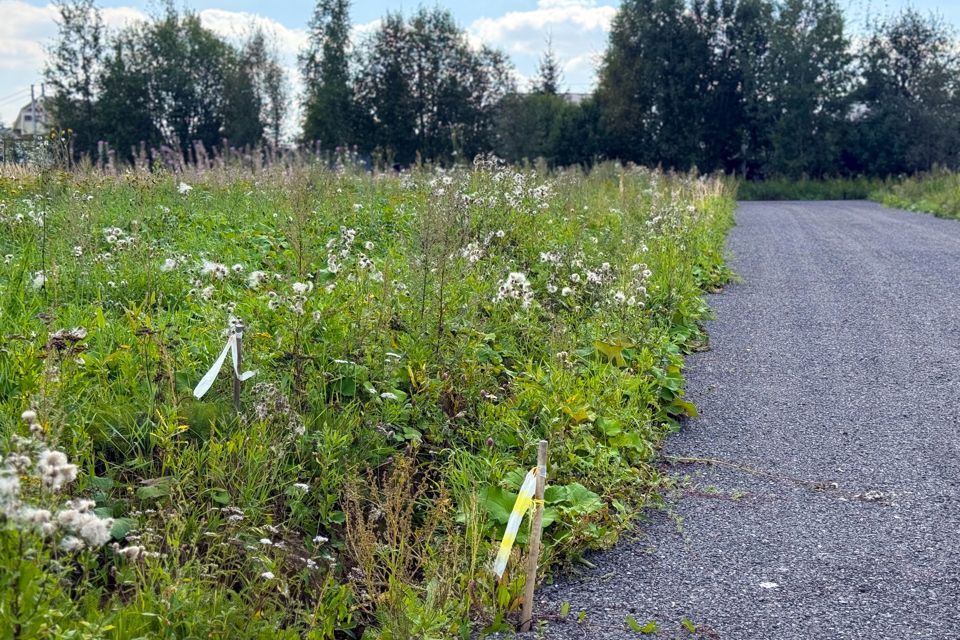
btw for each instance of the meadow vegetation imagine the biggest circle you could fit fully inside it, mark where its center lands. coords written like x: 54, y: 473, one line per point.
x: 413, y: 337
x: 937, y: 192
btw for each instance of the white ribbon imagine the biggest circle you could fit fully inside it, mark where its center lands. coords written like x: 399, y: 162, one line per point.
x: 207, y: 380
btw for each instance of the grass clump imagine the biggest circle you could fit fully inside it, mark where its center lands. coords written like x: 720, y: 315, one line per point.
x: 937, y: 192
x: 859, y: 188
x: 413, y: 338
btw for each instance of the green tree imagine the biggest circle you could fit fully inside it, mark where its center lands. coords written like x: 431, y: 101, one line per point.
x: 73, y: 64
x: 424, y: 91
x: 328, y: 108
x: 909, y: 102
x: 123, y: 111
x: 810, y: 82
x: 652, y: 80
x: 549, y: 74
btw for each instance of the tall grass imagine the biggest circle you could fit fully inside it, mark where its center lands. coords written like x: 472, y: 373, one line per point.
x: 859, y: 188
x: 937, y: 192
x: 414, y: 336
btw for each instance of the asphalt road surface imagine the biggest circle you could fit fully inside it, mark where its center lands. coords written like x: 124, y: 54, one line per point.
x: 832, y: 397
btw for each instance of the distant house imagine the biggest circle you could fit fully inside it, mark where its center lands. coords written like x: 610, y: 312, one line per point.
x: 32, y: 119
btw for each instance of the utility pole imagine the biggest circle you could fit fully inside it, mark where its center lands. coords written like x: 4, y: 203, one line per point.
x: 33, y: 109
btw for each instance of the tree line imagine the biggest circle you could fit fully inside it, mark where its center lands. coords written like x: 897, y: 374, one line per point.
x: 166, y: 83
x: 754, y: 87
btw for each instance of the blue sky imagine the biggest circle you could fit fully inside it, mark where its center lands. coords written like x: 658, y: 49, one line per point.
x: 578, y: 29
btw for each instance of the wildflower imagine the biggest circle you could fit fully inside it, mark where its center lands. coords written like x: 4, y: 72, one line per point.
x: 566, y: 292
x: 256, y: 278
x: 267, y: 575
x: 131, y: 553
x: 516, y: 287
x: 575, y: 277
x: 96, y: 531
x: 77, y: 251
x: 302, y: 288
x: 168, y: 265
x: 237, y: 268
x: 215, y: 269
x: 71, y: 543
x: 619, y: 297
x: 302, y: 486
x: 29, y: 416
x: 318, y: 540
x: 39, y: 279
x: 332, y: 265
x: 266, y: 542
x: 207, y: 292
x: 368, y: 245
x: 7, y: 259
x: 551, y: 258
x: 184, y: 188
x: 472, y: 253
x: 9, y: 487
x: 386, y: 395
x: 55, y: 470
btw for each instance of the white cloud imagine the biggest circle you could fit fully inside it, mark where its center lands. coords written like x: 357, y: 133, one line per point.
x: 577, y: 29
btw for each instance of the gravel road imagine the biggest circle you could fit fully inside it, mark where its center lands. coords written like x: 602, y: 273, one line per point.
x: 834, y: 370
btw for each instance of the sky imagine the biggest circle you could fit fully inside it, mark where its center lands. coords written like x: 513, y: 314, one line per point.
x: 577, y: 29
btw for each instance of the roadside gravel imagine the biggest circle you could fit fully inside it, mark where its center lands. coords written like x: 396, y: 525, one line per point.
x: 835, y: 371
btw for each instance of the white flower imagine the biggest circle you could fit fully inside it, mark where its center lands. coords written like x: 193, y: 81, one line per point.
x: 302, y: 288
x: 574, y: 277
x: 7, y: 259
x: 215, y: 269
x: 302, y: 486
x: 9, y: 487
x: 516, y: 287
x: 387, y: 395
x: 368, y: 245
x: 55, y: 470
x: 184, y: 188
x: 619, y: 297
x: 256, y: 278
x: 566, y: 292
x: 332, y: 265
x: 168, y: 265
x: 77, y: 251
x: 39, y: 279
x: 237, y: 268
x: 207, y: 292
x: 266, y: 541
x: 96, y: 531
x: 267, y: 575
x: 71, y: 543
x: 318, y: 540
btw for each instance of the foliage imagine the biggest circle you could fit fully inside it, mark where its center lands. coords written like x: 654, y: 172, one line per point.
x: 413, y: 337
x: 937, y: 192
x: 167, y: 82
x: 329, y: 111
x: 859, y: 188
x: 425, y: 92
x: 910, y: 97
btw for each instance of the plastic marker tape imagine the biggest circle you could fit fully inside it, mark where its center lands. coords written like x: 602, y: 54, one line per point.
x: 524, y: 500
x: 207, y: 380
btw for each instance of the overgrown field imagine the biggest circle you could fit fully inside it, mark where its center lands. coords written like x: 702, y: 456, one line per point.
x: 413, y: 338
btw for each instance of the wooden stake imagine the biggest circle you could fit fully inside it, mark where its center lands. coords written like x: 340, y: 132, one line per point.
x: 526, y: 613
x: 237, y: 382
